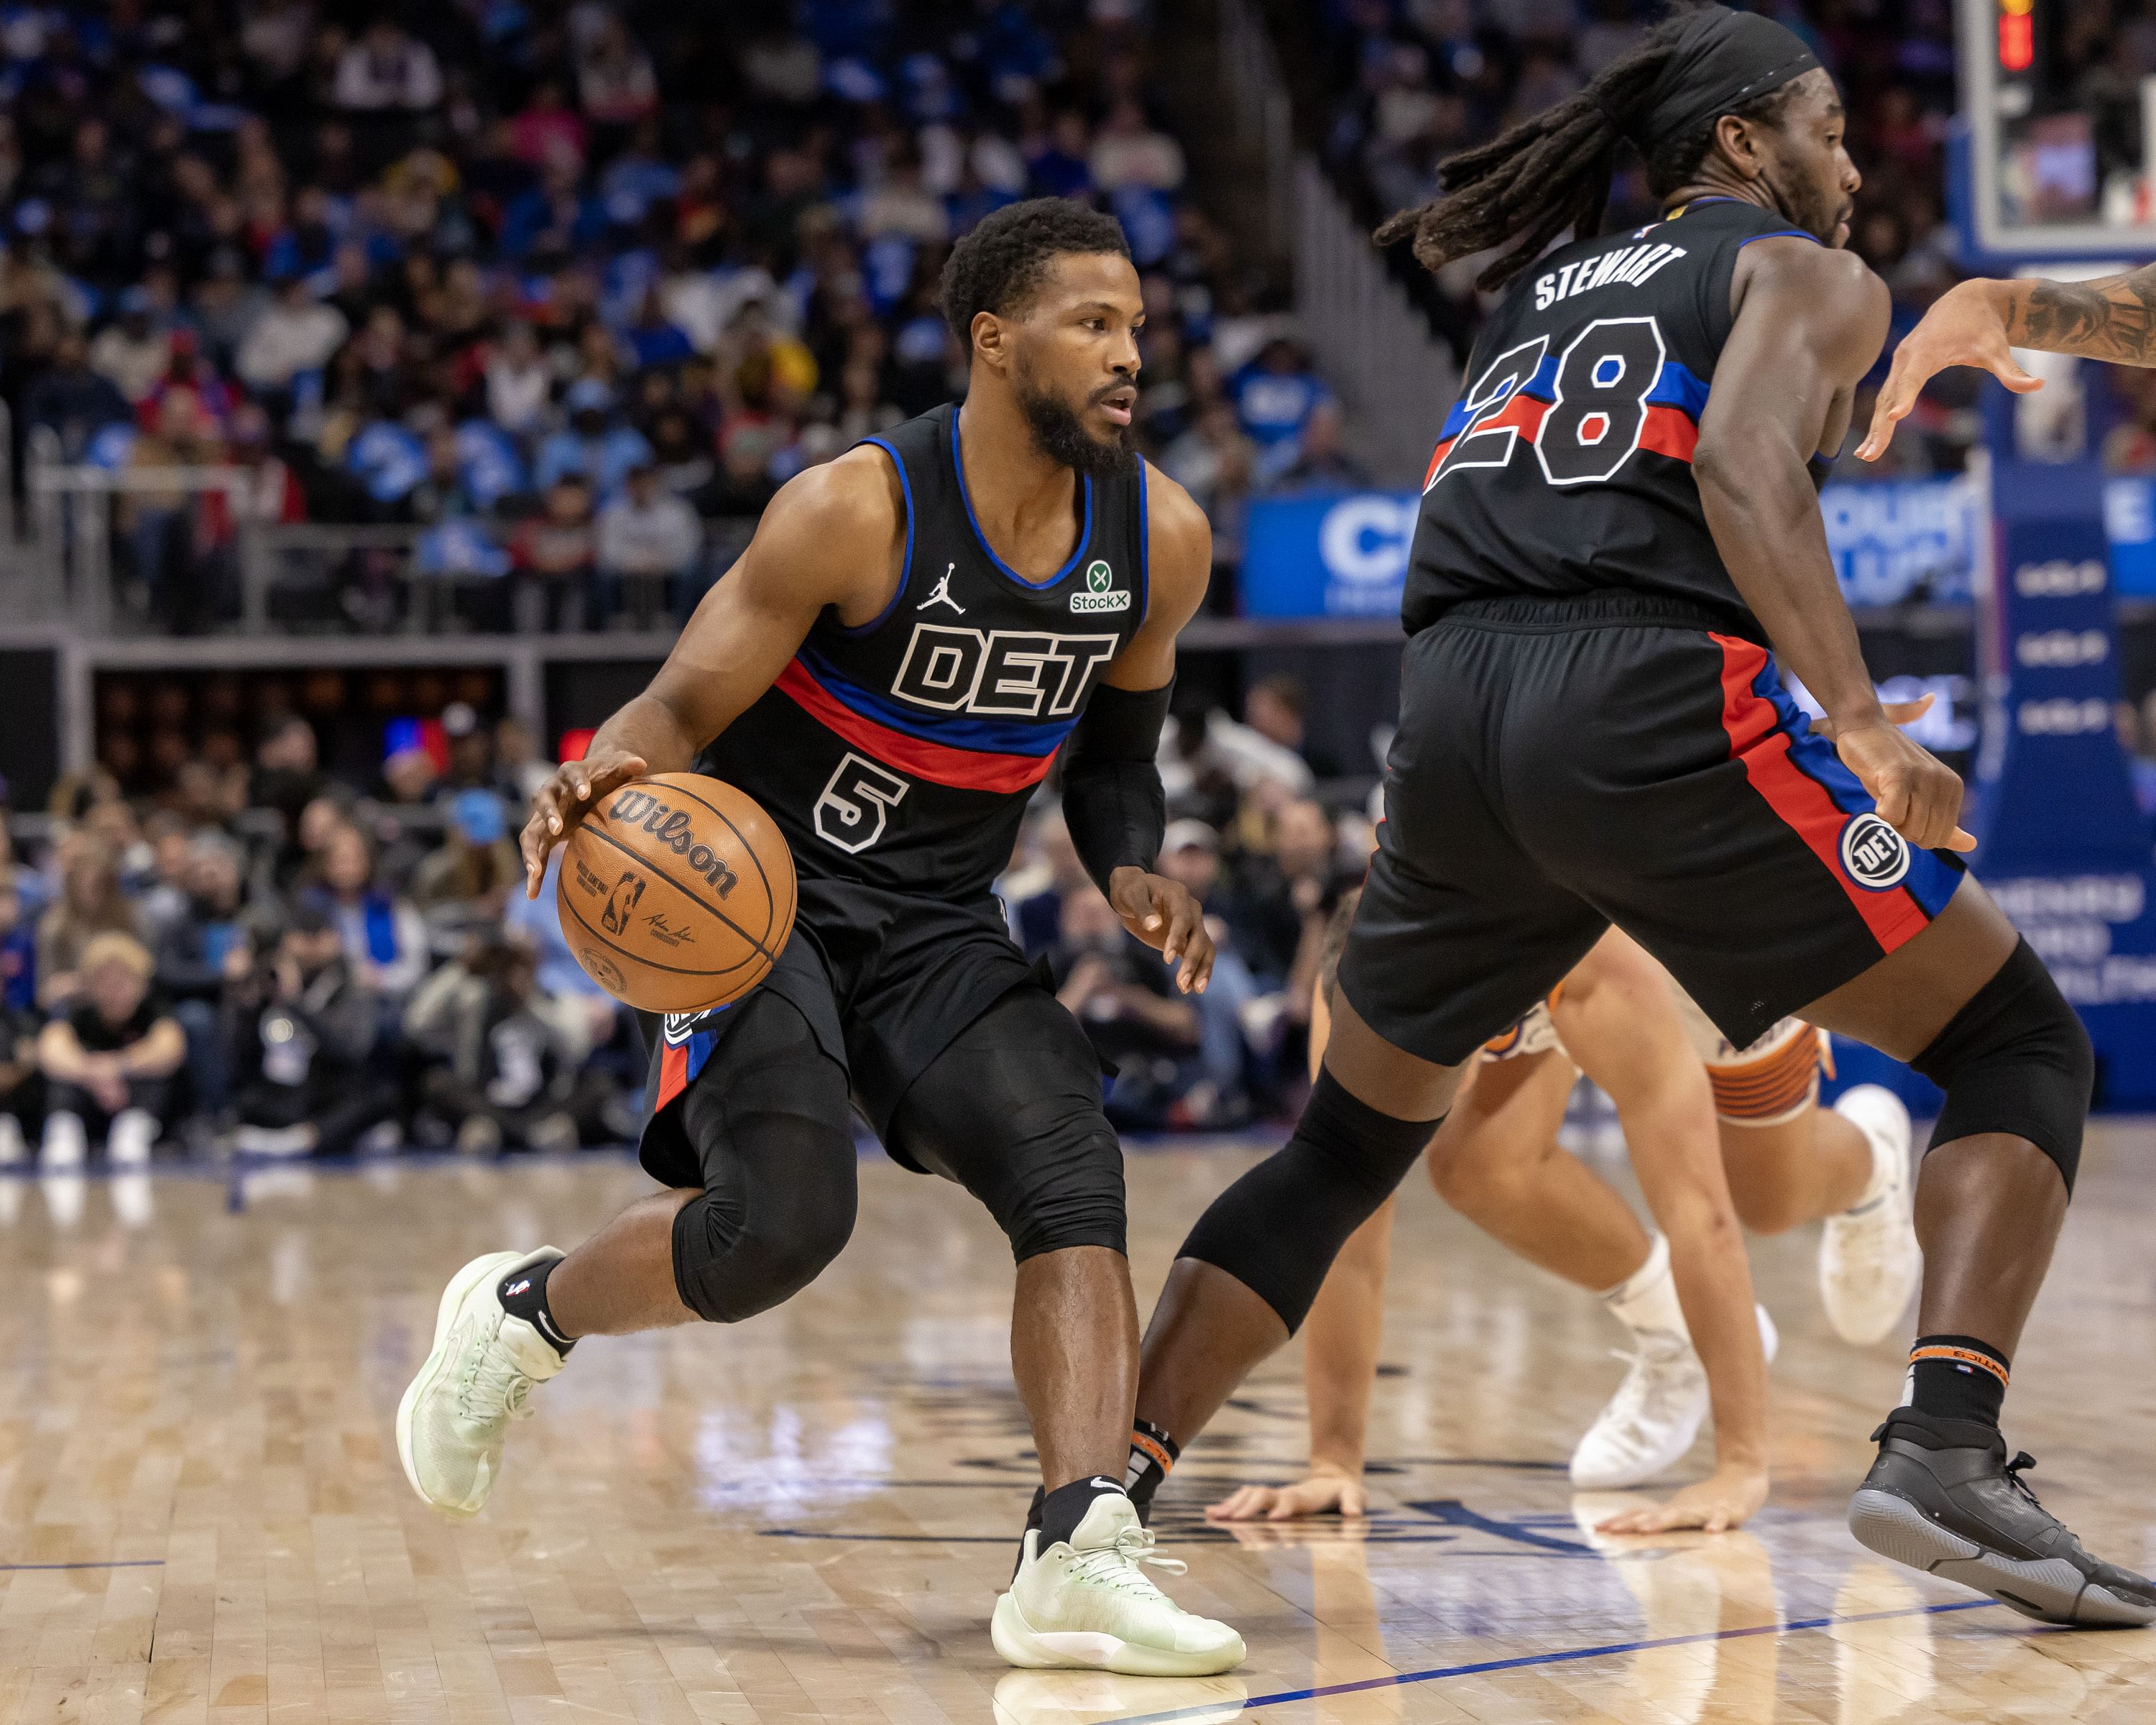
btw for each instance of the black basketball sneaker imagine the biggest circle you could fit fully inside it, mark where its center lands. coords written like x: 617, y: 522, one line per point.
x: 1943, y: 1498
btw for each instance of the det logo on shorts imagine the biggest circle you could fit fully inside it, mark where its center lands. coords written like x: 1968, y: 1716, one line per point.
x: 1101, y: 592
x: 1873, y: 855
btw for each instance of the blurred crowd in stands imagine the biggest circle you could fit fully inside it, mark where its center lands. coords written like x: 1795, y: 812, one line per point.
x: 269, y: 960
x: 555, y: 283
x: 1402, y: 84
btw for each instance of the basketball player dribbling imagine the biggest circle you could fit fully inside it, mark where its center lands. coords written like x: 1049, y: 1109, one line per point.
x: 916, y: 630
x: 1690, y: 1105
x: 1619, y: 539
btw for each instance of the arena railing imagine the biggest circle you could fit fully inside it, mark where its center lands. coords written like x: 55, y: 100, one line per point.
x: 1394, y: 376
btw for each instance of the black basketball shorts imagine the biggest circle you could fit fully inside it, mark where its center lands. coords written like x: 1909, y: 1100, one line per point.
x: 1561, y: 766
x: 885, y: 980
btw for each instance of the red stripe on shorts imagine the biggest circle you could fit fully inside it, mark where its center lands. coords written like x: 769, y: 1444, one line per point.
x: 1757, y: 739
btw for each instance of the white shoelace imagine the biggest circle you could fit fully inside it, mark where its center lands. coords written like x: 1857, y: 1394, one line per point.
x: 493, y: 1389
x: 1117, y: 1566
x: 1649, y: 1372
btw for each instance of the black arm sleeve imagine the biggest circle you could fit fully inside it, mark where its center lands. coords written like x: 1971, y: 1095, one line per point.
x: 1112, y: 800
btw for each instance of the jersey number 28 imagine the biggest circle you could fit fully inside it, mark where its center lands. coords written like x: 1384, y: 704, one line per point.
x: 1589, y: 428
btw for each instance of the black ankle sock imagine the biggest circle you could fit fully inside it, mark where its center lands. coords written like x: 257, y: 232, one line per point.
x: 1062, y: 1509
x: 1153, y: 1452
x: 1957, y: 1378
x: 524, y: 1295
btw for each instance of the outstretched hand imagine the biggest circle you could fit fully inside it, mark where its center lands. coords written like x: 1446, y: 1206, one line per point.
x: 1965, y: 326
x: 572, y: 791
x: 1319, y: 1494
x: 1726, y: 1498
x: 1162, y: 914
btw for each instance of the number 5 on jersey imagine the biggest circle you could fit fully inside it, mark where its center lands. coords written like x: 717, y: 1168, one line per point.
x: 851, y: 811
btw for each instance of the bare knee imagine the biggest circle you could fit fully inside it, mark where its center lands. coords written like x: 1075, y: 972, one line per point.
x: 1474, y: 1174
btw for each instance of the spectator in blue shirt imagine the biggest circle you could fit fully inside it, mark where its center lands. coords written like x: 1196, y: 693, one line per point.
x: 1276, y: 393
x: 653, y: 340
x: 589, y: 448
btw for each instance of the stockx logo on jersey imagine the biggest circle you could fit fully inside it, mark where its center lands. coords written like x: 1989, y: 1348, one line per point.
x: 1099, y: 593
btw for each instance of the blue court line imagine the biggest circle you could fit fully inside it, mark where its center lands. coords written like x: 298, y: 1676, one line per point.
x: 110, y: 1564
x: 1565, y: 1656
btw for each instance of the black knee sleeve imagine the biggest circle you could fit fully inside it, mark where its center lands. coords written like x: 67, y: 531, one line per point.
x: 771, y: 1124
x: 2015, y: 1060
x: 1011, y: 1111
x: 1278, y: 1229
x: 747, y: 1244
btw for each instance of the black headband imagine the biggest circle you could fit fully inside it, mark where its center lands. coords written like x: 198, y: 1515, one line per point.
x: 1719, y: 60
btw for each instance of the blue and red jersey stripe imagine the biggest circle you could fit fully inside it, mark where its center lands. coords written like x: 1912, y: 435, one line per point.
x: 1674, y: 407
x: 1804, y: 782
x: 966, y: 753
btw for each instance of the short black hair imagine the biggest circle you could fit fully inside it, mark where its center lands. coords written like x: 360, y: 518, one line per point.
x: 997, y: 265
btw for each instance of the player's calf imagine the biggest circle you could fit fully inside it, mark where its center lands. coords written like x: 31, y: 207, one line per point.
x: 2015, y: 1064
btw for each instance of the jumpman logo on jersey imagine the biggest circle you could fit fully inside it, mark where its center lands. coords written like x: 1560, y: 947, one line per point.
x: 940, y: 594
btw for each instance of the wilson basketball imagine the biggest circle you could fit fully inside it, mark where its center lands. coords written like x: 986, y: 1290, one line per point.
x: 676, y: 893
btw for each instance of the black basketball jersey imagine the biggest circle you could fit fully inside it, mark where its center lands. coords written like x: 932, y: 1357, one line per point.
x: 902, y: 753
x: 1565, y: 468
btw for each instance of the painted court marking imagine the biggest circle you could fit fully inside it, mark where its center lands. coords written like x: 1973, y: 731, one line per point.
x: 110, y: 1564
x: 1399, y: 1679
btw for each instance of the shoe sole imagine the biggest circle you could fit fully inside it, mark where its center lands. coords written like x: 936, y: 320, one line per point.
x: 1021, y: 1645
x: 2050, y: 1589
x: 472, y: 1275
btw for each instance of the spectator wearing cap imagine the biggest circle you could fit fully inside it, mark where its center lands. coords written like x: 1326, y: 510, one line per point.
x: 467, y: 882
x: 302, y: 1026
x: 648, y: 542
x: 590, y: 446
x: 1235, y: 1018
x: 108, y: 1059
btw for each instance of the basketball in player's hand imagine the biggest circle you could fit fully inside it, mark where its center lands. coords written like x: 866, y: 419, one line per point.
x: 676, y: 893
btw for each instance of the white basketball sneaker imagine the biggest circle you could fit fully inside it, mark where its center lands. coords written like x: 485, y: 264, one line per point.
x: 1869, y: 1263
x: 1656, y: 1413
x: 1088, y: 1605
x: 456, y: 1414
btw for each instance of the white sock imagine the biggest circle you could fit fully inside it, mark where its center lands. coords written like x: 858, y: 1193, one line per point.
x: 12, y: 1147
x: 1647, y: 1299
x: 134, y: 1131
x: 66, y: 1143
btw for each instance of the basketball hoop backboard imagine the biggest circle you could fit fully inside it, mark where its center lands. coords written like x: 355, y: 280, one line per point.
x: 2047, y: 162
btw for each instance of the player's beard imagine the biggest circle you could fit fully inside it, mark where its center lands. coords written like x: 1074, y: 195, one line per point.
x: 1061, y: 435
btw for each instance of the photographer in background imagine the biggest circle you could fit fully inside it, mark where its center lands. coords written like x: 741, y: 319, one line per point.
x: 514, y: 1052
x: 1143, y: 1031
x: 302, y: 1027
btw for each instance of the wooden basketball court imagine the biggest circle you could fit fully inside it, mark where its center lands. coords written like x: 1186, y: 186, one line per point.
x: 202, y: 1515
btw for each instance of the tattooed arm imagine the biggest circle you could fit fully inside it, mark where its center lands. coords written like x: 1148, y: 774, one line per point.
x: 2113, y: 318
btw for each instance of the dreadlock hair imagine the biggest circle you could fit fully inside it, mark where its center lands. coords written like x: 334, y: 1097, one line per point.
x: 1552, y: 173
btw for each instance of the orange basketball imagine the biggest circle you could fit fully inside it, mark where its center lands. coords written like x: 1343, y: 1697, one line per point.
x: 676, y: 893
